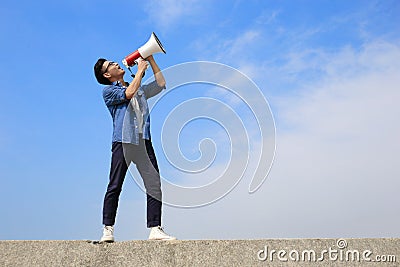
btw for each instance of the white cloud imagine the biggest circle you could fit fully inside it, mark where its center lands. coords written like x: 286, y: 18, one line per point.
x: 267, y: 17
x: 168, y: 12
x: 227, y: 50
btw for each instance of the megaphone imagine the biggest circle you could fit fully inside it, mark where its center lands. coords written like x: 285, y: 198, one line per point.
x: 152, y: 46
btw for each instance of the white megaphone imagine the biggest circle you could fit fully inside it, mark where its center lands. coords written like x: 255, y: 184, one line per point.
x: 152, y: 46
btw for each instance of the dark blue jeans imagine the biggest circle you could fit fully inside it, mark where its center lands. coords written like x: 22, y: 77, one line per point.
x: 144, y: 158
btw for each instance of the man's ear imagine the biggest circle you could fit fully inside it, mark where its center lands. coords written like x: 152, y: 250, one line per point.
x: 107, y: 75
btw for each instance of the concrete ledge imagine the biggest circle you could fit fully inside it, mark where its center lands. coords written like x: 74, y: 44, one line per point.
x: 263, y: 252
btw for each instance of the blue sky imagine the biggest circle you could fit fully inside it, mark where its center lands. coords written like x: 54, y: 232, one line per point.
x: 329, y: 70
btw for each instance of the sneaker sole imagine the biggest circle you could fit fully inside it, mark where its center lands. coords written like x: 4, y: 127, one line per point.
x: 162, y: 239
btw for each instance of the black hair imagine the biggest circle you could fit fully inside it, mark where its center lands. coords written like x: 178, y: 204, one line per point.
x: 99, y: 74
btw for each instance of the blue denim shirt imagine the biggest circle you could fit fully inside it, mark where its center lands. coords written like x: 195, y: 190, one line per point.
x: 125, y: 125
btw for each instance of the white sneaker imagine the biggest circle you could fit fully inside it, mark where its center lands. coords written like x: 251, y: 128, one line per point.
x: 157, y: 233
x: 108, y: 234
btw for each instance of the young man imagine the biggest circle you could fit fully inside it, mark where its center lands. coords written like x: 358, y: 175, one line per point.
x: 131, y: 142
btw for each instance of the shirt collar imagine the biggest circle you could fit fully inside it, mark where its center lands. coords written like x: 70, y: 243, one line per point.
x: 117, y: 83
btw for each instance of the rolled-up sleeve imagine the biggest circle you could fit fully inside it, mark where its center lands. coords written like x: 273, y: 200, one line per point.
x: 152, y: 89
x: 114, y: 95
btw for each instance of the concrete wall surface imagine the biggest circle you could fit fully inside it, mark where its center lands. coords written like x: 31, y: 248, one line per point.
x: 262, y: 252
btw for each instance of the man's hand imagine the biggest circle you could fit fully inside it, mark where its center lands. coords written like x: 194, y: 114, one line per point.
x: 142, y: 65
x: 149, y: 58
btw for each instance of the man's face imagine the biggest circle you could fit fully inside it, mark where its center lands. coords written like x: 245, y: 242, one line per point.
x: 112, y: 70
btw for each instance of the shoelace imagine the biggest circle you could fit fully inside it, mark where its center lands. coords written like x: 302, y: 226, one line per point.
x: 161, y: 229
x: 109, y: 229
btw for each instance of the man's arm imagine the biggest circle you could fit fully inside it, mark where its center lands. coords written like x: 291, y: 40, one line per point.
x: 135, y: 84
x: 157, y: 72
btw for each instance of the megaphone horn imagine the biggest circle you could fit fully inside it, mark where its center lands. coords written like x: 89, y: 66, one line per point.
x: 152, y: 46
